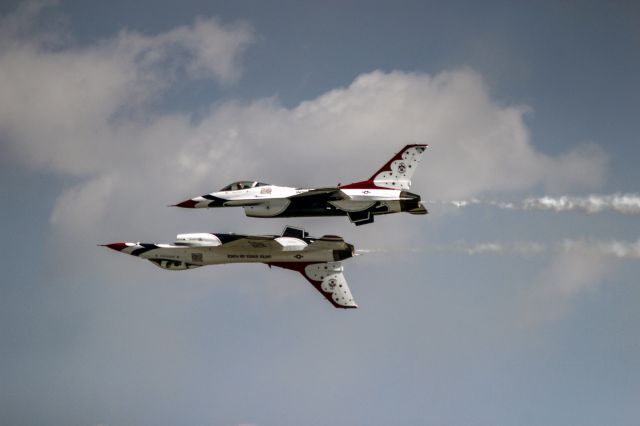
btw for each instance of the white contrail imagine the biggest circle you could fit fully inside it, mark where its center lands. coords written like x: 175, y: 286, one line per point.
x: 476, y: 201
x: 618, y: 249
x: 502, y: 248
x: 620, y: 203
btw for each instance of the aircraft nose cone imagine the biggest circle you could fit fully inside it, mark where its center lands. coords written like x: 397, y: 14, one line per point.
x: 116, y: 246
x: 187, y: 204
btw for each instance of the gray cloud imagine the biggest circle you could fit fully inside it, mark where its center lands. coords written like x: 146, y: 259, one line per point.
x: 476, y: 145
x: 85, y: 112
x: 68, y: 108
x: 577, y: 269
x: 130, y: 343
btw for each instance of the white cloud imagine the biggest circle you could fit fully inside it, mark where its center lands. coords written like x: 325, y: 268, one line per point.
x: 94, y: 207
x: 577, y: 269
x: 83, y: 112
x: 76, y: 110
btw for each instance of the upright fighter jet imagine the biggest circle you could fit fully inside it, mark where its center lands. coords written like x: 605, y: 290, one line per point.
x: 386, y: 191
x: 318, y: 259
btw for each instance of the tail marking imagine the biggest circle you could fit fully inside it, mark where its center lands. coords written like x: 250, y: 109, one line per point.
x: 397, y: 172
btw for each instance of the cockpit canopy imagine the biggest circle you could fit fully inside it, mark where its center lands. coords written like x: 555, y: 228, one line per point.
x: 243, y: 184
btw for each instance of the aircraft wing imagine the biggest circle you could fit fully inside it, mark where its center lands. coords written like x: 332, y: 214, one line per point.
x: 327, y: 278
x: 166, y: 256
x: 244, y: 203
x: 332, y: 193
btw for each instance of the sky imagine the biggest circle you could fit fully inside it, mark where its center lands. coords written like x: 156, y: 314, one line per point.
x: 514, y: 302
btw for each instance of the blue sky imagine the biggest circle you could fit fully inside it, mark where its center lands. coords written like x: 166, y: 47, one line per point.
x: 489, y: 314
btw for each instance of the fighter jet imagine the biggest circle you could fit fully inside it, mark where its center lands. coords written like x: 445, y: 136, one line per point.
x: 386, y: 191
x: 317, y: 259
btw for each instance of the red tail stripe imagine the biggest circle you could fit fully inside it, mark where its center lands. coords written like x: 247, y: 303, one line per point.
x: 368, y: 184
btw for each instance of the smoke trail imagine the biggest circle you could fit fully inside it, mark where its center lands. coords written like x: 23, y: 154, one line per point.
x: 617, y: 249
x: 619, y: 203
x: 477, y: 201
x: 500, y: 248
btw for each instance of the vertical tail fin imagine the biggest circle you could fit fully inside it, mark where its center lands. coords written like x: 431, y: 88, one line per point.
x: 397, y: 172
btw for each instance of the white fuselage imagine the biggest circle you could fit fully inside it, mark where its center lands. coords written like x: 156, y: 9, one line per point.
x: 272, y: 200
x: 202, y: 256
x: 386, y: 191
x: 270, y: 192
x: 194, y: 250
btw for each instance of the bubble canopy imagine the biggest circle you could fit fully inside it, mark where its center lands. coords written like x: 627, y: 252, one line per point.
x: 243, y: 184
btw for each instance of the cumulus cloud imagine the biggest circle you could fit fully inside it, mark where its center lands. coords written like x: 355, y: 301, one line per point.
x: 84, y: 111
x: 70, y: 108
x: 577, y: 270
x: 354, y: 130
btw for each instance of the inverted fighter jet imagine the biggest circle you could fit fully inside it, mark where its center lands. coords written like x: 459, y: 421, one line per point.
x: 387, y: 191
x: 318, y: 259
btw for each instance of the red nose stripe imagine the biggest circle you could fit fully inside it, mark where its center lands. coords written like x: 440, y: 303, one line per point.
x: 116, y: 246
x: 187, y: 204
